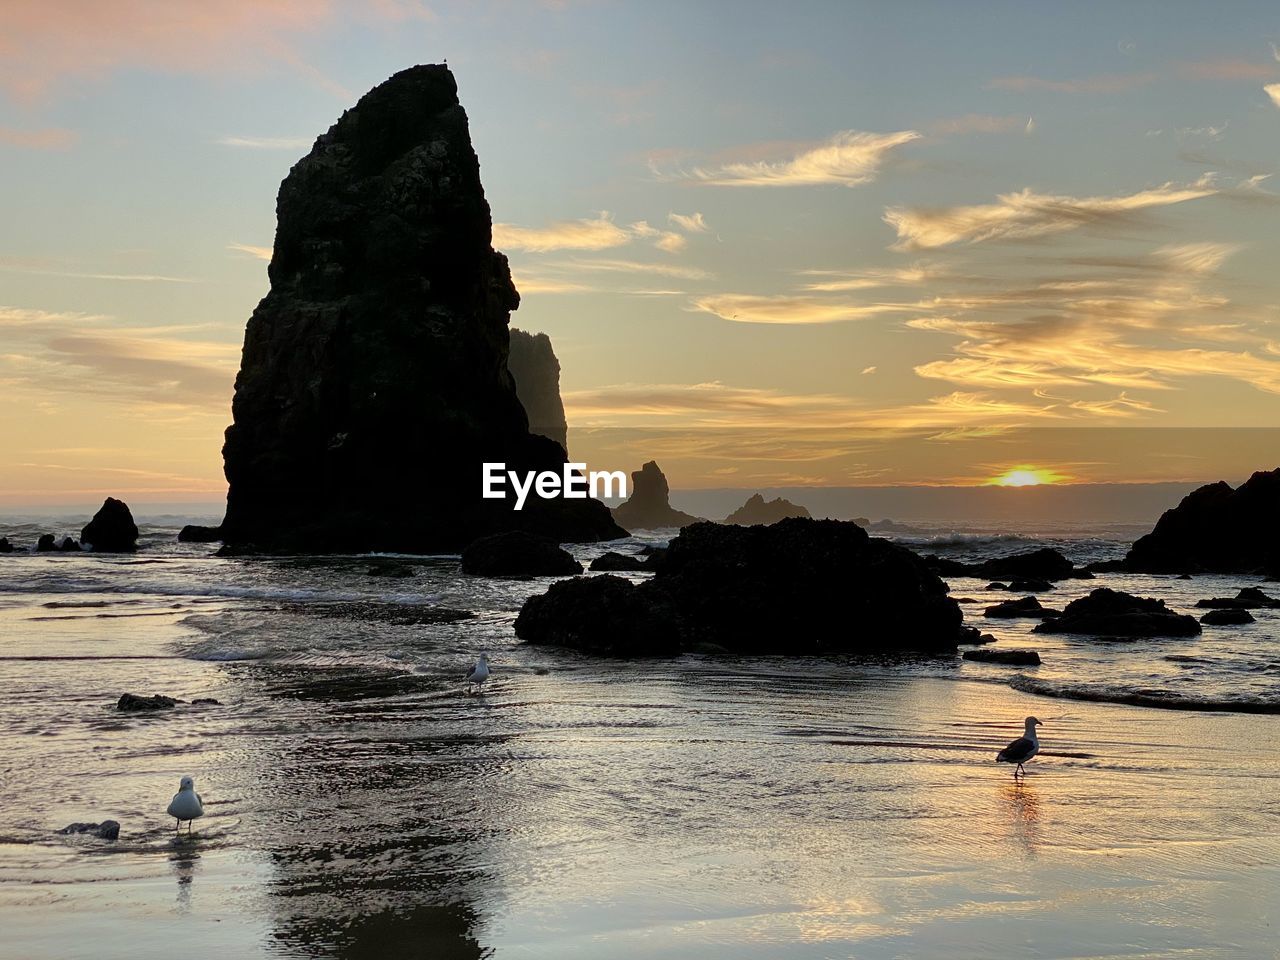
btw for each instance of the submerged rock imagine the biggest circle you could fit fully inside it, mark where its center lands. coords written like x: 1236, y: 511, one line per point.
x: 1113, y: 613
x: 374, y: 381
x: 758, y: 510
x: 621, y: 563
x: 130, y: 702
x: 112, y: 529
x: 797, y: 587
x: 536, y: 371
x: 194, y: 533
x: 1017, y: 658
x: 649, y: 507
x: 1022, y: 607
x: 106, y: 830
x: 1227, y: 618
x: 1216, y: 529
x: 518, y: 554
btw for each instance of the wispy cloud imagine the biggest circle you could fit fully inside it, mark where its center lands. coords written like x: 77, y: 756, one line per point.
x: 747, y: 308
x: 635, y: 266
x: 1027, y: 214
x: 688, y: 222
x: 589, y: 233
x: 850, y: 158
x: 261, y: 253
x: 51, y: 138
x: 266, y: 143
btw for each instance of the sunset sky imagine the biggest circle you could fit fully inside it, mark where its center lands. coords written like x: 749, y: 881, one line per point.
x: 773, y: 244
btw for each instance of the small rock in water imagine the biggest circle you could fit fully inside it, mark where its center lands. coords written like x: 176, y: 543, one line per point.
x: 1227, y: 618
x: 1113, y: 613
x: 997, y: 586
x: 517, y: 553
x: 112, y: 529
x: 194, y: 533
x: 106, y: 830
x: 1022, y: 607
x: 69, y: 545
x: 1017, y: 658
x: 206, y: 702
x: 131, y: 702
x: 1030, y: 585
x: 46, y: 543
x: 5, y: 545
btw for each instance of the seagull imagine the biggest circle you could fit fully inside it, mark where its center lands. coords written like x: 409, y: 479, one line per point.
x: 186, y: 804
x: 1022, y: 749
x: 478, y: 674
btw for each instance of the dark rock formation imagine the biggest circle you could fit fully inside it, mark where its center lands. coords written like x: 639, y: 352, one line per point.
x: 1016, y: 658
x: 518, y: 554
x: 69, y: 545
x: 106, y: 830
x: 536, y: 371
x: 130, y: 702
x: 648, y: 507
x: 1023, y: 607
x: 206, y: 702
x: 46, y: 543
x: 759, y: 510
x: 1217, y: 529
x: 612, y: 562
x: 112, y: 529
x: 1043, y: 564
x: 798, y: 587
x: 373, y: 383
x: 1030, y: 586
x: 1227, y: 618
x: 194, y: 533
x: 5, y: 545
x: 1113, y: 613
x: 1250, y: 598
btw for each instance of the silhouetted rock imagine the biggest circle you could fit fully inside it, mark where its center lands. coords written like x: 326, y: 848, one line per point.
x: 131, y: 702
x: 797, y: 587
x: 648, y: 507
x: 1016, y: 658
x: 1030, y: 586
x: 1022, y: 607
x: 374, y: 380
x: 5, y: 545
x: 1217, y: 529
x: 518, y: 554
x: 69, y: 545
x: 1250, y: 598
x: 759, y: 510
x: 1227, y: 618
x: 112, y: 529
x: 194, y: 533
x: 620, y: 562
x: 1045, y: 564
x: 536, y: 371
x: 46, y: 543
x: 1113, y: 613
x: 106, y: 830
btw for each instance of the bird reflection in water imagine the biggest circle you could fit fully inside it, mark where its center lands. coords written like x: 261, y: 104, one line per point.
x: 1023, y: 806
x: 185, y: 862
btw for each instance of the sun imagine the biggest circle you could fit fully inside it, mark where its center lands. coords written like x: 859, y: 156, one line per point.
x: 1025, y: 475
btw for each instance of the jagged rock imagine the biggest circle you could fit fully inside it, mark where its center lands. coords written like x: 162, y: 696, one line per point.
x: 1227, y: 618
x: 69, y: 545
x: 131, y: 702
x: 518, y: 554
x: 46, y: 543
x: 1017, y: 658
x: 536, y: 371
x: 5, y: 545
x: 374, y: 380
x: 194, y: 533
x: 206, y: 702
x: 1250, y: 598
x: 620, y: 562
x: 1113, y: 613
x: 106, y: 830
x: 1217, y: 529
x: 1022, y: 607
x: 112, y: 529
x: 758, y: 510
x: 798, y: 587
x: 648, y: 507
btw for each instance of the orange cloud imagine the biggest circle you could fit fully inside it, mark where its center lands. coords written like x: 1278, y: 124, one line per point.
x: 48, y: 139
x: 851, y: 158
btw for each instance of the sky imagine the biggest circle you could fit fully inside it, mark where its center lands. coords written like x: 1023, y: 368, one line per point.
x: 773, y: 244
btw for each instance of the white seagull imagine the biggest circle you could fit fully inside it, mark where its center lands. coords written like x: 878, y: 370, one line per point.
x: 478, y: 674
x: 186, y: 804
x: 1022, y: 749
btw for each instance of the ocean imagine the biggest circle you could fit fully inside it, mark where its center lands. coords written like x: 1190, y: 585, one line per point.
x: 360, y: 801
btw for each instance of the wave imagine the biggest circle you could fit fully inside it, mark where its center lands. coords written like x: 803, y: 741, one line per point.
x: 1159, y: 699
x: 74, y: 585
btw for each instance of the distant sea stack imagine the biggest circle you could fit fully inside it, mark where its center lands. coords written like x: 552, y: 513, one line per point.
x: 759, y: 510
x: 1216, y: 529
x: 536, y: 370
x: 112, y: 529
x: 374, y: 381
x: 648, y: 507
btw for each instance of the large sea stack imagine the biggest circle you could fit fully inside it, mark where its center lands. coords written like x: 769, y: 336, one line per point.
x: 536, y: 370
x: 648, y: 507
x: 374, y: 379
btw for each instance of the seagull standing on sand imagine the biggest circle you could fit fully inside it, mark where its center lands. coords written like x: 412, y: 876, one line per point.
x: 478, y: 674
x: 186, y: 804
x: 1022, y: 749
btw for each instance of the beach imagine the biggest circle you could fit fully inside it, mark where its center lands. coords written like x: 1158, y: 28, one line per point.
x: 358, y: 802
